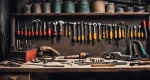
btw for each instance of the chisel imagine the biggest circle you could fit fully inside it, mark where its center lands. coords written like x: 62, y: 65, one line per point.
x: 131, y: 32
x: 106, y: 31
x: 122, y: 30
x: 99, y: 32
x: 82, y: 31
x: 90, y: 32
x: 110, y: 33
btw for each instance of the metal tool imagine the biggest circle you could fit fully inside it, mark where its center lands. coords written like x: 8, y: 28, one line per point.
x: 18, y: 30
x: 127, y: 33
x: 66, y: 29
x: 81, y: 55
x: 29, y: 31
x: 82, y: 31
x: 78, y: 27
x: 61, y: 28
x: 32, y: 31
x: 69, y: 30
x: 99, y: 31
x: 145, y: 31
x: 49, y: 33
x: 74, y: 37
x: 135, y: 32
x: 44, y: 30
x: 115, y: 32
x: 40, y: 30
x: 103, y: 30
x: 139, y: 32
x: 85, y: 32
x: 94, y: 33
x: 46, y: 65
x: 25, y: 30
x: 37, y: 21
x: 106, y: 32
x: 110, y: 33
x: 144, y: 54
x: 119, y: 32
x: 122, y: 30
x: 131, y: 32
x: 55, y: 28
x: 90, y: 32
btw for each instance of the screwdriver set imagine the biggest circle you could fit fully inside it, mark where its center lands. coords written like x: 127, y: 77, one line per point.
x: 82, y: 32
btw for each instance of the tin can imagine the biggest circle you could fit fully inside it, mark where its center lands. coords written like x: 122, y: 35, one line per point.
x: 68, y: 6
x: 98, y: 6
x: 110, y: 7
x: 83, y: 6
x: 129, y: 9
x: 46, y: 8
x: 119, y: 9
x: 36, y: 7
x: 56, y: 6
x: 27, y: 9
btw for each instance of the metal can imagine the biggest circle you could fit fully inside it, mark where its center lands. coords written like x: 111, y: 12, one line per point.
x: 140, y: 9
x: 98, y: 6
x: 110, y: 7
x: 46, y: 7
x: 129, y: 9
x: 36, y: 8
x: 56, y: 6
x: 27, y: 9
x: 119, y: 9
x: 68, y: 6
x: 83, y: 6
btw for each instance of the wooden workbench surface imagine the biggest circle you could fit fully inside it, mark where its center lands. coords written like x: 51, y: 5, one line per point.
x: 73, y: 68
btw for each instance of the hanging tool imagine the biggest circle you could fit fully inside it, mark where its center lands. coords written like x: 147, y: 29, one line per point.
x: 85, y: 32
x: 122, y: 30
x: 90, y: 32
x: 94, y: 33
x: 136, y: 54
x: 37, y: 21
x: 78, y: 27
x: 22, y: 32
x: 110, y: 33
x: 32, y: 31
x: 25, y: 30
x: 106, y: 32
x: 139, y: 32
x: 66, y: 29
x: 49, y: 29
x: 74, y: 38
x: 99, y: 32
x: 115, y: 31
x: 131, y: 32
x: 18, y: 30
x: 29, y: 31
x: 82, y: 31
x: 55, y: 28
x: 40, y: 30
x: 61, y: 28
x: 44, y: 30
x: 127, y: 33
x: 145, y: 31
x: 69, y: 30
x: 135, y: 32
x: 103, y: 30
x: 149, y: 24
x: 144, y: 54
x: 119, y: 32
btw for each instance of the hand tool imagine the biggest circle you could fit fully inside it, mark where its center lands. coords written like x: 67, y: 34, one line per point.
x: 40, y: 30
x: 32, y: 31
x: 66, y: 29
x: 149, y: 24
x: 90, y: 32
x: 110, y: 33
x: 140, y: 63
x: 25, y: 30
x: 69, y: 30
x: 85, y: 31
x: 131, y: 32
x: 46, y: 65
x: 29, y: 31
x: 37, y: 21
x: 106, y: 31
x: 139, y: 32
x: 55, y: 28
x: 119, y: 32
x: 78, y: 25
x: 135, y: 32
x: 49, y: 29
x: 61, y: 27
x: 103, y: 30
x: 81, y: 55
x: 136, y: 54
x: 115, y: 31
x: 127, y: 33
x: 122, y: 30
x: 144, y: 54
x: 74, y: 38
x: 44, y: 30
x: 145, y: 30
x: 18, y: 30
x: 82, y: 31
x: 22, y: 32
x: 94, y: 33
x: 99, y: 32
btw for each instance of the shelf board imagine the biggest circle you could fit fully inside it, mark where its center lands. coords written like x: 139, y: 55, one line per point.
x: 127, y: 2
x: 81, y: 14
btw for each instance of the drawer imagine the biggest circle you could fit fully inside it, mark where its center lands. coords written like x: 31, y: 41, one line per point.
x: 13, y: 76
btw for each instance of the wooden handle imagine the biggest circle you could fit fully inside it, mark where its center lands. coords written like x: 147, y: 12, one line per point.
x: 72, y: 57
x: 102, y: 65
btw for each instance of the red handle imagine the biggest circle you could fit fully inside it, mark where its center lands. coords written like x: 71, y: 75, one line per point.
x: 29, y: 33
x: 49, y: 32
x: 18, y: 32
x: 36, y: 33
x: 61, y: 33
x: 144, y: 24
x: 32, y: 33
x: 25, y: 33
x: 55, y: 33
x: 44, y: 33
x: 21, y: 32
x: 40, y: 33
x: 148, y: 23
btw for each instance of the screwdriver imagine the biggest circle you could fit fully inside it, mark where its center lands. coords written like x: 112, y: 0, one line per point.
x: 99, y: 31
x: 122, y: 28
x: 74, y: 32
x: 106, y: 28
x: 69, y: 30
x: 40, y: 31
x: 66, y: 29
x: 111, y: 33
x: 131, y: 32
x: 22, y: 33
x: 103, y: 31
x: 90, y: 32
x: 55, y: 29
x: 37, y: 21
x: 18, y: 30
x: 126, y: 32
x: 135, y: 33
x: 119, y: 32
x: 85, y: 31
x: 145, y: 31
x: 115, y: 31
x: 61, y: 28
x: 32, y: 31
x: 44, y: 30
x: 49, y: 29
x: 94, y: 33
x: 29, y: 31
x: 78, y: 24
x: 82, y: 31
x: 139, y: 32
x: 25, y: 30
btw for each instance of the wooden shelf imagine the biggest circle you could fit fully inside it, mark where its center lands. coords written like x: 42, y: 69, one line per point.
x: 81, y: 14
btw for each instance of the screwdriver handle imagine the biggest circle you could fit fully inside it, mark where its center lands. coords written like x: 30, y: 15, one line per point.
x: 123, y: 33
x: 61, y: 32
x: 36, y: 33
x: 29, y: 33
x: 119, y: 33
x: 18, y: 33
x: 49, y: 31
x: 40, y: 33
x: 90, y: 36
x: 44, y: 33
x: 145, y: 31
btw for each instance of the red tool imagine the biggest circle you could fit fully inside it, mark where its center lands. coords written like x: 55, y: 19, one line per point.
x: 29, y: 32
x: 145, y: 31
x: 37, y: 25
x: 61, y: 30
x: 55, y: 29
x: 32, y: 31
x: 25, y: 30
x: 44, y: 30
x: 49, y: 29
x: 18, y: 30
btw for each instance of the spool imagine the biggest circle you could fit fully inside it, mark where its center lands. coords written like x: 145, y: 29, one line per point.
x: 129, y: 9
x: 68, y: 6
x: 98, y: 6
x: 110, y: 7
x: 46, y: 7
x: 83, y: 6
x: 36, y: 8
x: 56, y: 6
x: 119, y: 9
x: 27, y: 9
